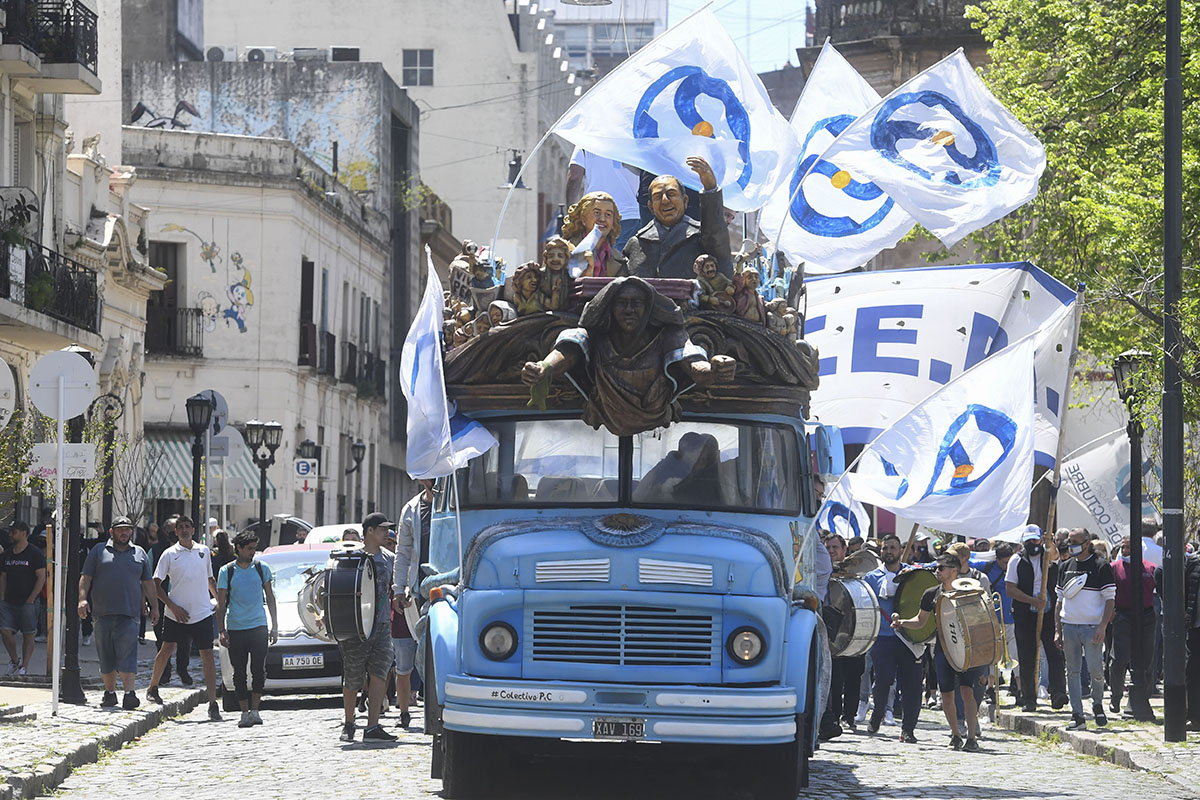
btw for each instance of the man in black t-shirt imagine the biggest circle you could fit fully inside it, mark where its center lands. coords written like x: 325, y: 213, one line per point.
x: 22, y: 576
x: 948, y: 678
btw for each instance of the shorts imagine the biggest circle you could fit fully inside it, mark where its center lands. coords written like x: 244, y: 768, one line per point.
x: 374, y: 656
x: 116, y: 643
x: 199, y: 632
x: 406, y: 654
x: 949, y: 680
x: 21, y: 618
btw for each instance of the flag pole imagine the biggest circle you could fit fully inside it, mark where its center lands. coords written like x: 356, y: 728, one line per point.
x: 1055, y: 482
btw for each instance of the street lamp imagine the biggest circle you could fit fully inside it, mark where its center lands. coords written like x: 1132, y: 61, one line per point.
x: 307, y: 449
x: 1127, y: 368
x: 260, y: 436
x: 358, y: 451
x: 199, y: 416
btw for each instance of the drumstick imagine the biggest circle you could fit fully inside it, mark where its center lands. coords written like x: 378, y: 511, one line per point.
x: 908, y: 548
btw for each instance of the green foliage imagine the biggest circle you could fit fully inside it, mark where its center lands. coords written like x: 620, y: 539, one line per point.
x: 1087, y: 79
x: 16, y: 439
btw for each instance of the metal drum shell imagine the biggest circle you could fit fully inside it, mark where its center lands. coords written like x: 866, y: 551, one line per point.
x: 912, y: 585
x: 856, y: 601
x: 968, y: 630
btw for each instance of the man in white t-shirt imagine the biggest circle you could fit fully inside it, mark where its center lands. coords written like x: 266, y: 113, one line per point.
x: 592, y: 173
x: 188, y: 566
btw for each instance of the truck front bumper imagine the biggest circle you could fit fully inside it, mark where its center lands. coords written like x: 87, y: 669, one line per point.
x: 564, y: 710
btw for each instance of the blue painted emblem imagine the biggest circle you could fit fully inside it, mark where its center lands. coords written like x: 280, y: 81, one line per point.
x: 840, y: 511
x: 964, y: 478
x: 976, y: 171
x: 694, y: 82
x: 814, y: 221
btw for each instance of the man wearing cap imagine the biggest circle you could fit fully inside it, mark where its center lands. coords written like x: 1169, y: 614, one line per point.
x: 371, y: 659
x: 1086, y: 597
x: 1023, y: 579
x: 118, y: 576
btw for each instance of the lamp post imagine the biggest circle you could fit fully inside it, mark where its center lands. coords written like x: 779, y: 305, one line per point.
x: 199, y: 416
x: 1127, y: 369
x: 358, y: 452
x: 260, y: 436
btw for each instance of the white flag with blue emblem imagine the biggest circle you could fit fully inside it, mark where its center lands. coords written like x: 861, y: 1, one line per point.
x: 823, y: 215
x: 440, y: 440
x: 946, y: 149
x: 843, y: 514
x: 962, y: 459
x: 689, y: 92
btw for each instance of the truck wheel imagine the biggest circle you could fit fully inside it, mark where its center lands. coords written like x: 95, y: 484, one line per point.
x: 464, y: 766
x: 784, y: 767
x: 433, y: 710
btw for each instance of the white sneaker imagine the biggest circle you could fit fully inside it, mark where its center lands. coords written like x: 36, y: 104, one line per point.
x: 255, y: 719
x: 87, y: 641
x: 861, y: 716
x: 245, y: 721
x: 888, y: 719
x: 41, y: 637
x: 12, y: 668
x: 21, y: 671
x: 1043, y: 693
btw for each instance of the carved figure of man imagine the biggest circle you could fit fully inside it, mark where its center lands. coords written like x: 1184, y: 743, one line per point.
x: 481, y: 276
x: 554, y: 279
x: 714, y: 290
x: 630, y: 357
x: 526, y: 296
x: 749, y: 303
x: 667, y: 246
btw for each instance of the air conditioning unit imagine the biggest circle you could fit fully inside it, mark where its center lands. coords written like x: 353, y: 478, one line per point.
x: 343, y: 54
x: 311, y: 54
x: 220, y: 52
x: 259, y: 55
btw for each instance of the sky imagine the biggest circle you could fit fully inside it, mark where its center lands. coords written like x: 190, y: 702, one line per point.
x: 767, y: 31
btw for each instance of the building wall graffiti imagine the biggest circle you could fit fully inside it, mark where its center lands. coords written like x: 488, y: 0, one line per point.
x: 237, y: 289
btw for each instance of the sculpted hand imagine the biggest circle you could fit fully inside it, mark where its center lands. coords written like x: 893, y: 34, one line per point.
x: 699, y: 166
x: 533, y: 371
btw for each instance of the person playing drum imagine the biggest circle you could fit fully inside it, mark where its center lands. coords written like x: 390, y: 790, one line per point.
x: 948, y: 679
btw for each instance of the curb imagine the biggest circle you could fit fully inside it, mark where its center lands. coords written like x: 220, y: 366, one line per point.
x: 47, y: 776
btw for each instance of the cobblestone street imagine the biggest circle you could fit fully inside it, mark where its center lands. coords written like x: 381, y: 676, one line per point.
x: 296, y: 753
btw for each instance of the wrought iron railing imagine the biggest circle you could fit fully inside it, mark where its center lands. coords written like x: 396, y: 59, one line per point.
x: 52, y: 284
x: 174, y: 331
x: 59, y: 31
x: 307, y: 356
x: 327, y: 356
x: 372, y: 375
x: 349, y: 373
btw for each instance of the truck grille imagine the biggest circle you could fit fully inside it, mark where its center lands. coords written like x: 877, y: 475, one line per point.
x: 624, y: 636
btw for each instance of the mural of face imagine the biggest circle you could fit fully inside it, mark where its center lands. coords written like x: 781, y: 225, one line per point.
x: 209, y: 310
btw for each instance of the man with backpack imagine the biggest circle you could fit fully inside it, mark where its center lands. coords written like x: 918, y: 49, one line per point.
x: 244, y: 586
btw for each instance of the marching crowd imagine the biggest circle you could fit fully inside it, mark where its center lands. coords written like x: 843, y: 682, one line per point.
x: 1068, y: 634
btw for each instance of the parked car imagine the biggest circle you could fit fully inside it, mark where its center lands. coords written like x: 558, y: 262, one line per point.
x: 297, y: 662
x: 329, y: 534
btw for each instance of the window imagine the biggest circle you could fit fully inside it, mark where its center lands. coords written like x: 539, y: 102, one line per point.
x: 169, y: 257
x: 417, y: 68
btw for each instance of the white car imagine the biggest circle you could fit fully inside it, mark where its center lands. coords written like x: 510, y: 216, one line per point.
x: 331, y: 534
x: 297, y: 662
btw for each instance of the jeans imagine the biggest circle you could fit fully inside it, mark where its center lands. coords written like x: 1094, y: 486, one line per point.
x: 248, y: 644
x: 894, y: 662
x: 1123, y: 658
x: 1077, y: 643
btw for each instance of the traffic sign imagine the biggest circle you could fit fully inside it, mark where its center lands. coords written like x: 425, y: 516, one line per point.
x: 79, y: 461
x: 306, y: 473
x: 79, y: 384
x: 8, y: 393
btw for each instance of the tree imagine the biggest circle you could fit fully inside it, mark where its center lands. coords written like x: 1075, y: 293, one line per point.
x: 16, y: 440
x: 133, y: 474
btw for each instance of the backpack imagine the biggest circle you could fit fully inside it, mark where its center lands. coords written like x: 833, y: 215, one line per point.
x: 232, y: 566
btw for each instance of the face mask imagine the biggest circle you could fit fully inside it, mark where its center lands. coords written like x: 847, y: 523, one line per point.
x: 1125, y: 559
x: 1033, y: 548
x: 1075, y: 549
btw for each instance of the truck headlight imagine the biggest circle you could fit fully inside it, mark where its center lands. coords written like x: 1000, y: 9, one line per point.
x: 745, y: 646
x: 498, y: 641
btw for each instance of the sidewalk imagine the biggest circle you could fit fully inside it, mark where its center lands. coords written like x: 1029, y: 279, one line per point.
x: 38, y: 750
x: 1130, y: 744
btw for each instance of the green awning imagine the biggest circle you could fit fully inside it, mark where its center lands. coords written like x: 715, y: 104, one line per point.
x: 169, y: 464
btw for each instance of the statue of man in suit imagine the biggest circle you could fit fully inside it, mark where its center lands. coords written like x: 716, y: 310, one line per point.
x: 667, y: 246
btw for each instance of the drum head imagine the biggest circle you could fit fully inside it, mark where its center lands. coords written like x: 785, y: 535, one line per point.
x: 349, y: 589
x: 310, y: 605
x: 908, y: 604
x: 966, y: 585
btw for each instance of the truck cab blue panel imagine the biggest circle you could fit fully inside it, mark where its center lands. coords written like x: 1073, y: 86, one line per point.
x: 801, y: 639
x: 443, y: 633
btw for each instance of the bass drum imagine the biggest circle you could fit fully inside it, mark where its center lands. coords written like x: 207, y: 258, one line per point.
x: 349, y: 590
x: 858, y: 624
x: 310, y: 605
x: 910, y: 586
x: 968, y: 629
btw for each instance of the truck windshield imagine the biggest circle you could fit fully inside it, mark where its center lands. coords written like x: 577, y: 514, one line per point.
x: 692, y: 464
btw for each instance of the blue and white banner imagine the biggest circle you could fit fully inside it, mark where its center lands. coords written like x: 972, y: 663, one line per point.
x: 829, y: 218
x: 962, y: 460
x: 841, y: 513
x: 440, y: 440
x: 1097, y: 478
x: 888, y: 339
x: 946, y: 149
x: 689, y: 92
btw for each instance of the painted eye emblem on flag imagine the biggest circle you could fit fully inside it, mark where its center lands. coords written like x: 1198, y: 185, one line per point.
x: 965, y: 476
x: 814, y: 221
x: 693, y: 83
x: 840, y: 511
x: 908, y: 119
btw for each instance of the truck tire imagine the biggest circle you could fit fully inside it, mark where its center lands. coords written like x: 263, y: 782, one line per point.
x: 784, y: 767
x: 465, y: 766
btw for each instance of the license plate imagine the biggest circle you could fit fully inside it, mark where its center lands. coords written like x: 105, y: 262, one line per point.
x: 610, y: 728
x: 305, y: 661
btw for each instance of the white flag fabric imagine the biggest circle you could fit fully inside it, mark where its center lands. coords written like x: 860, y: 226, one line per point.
x: 689, y: 92
x: 946, y: 149
x: 439, y: 439
x: 830, y: 219
x: 1097, y: 478
x: 888, y: 339
x: 962, y: 460
x: 841, y: 513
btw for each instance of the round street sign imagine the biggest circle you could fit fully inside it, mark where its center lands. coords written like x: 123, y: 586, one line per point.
x: 220, y: 415
x: 8, y: 393
x: 79, y: 378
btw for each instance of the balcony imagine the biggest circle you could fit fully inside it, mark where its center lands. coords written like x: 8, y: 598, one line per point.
x: 372, y: 376
x: 174, y: 332
x: 327, y: 354
x: 49, y: 283
x: 349, y: 372
x: 63, y: 34
x: 307, y: 356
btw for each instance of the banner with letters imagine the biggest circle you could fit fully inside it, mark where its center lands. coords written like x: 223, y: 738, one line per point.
x: 1097, y: 478
x: 889, y: 339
